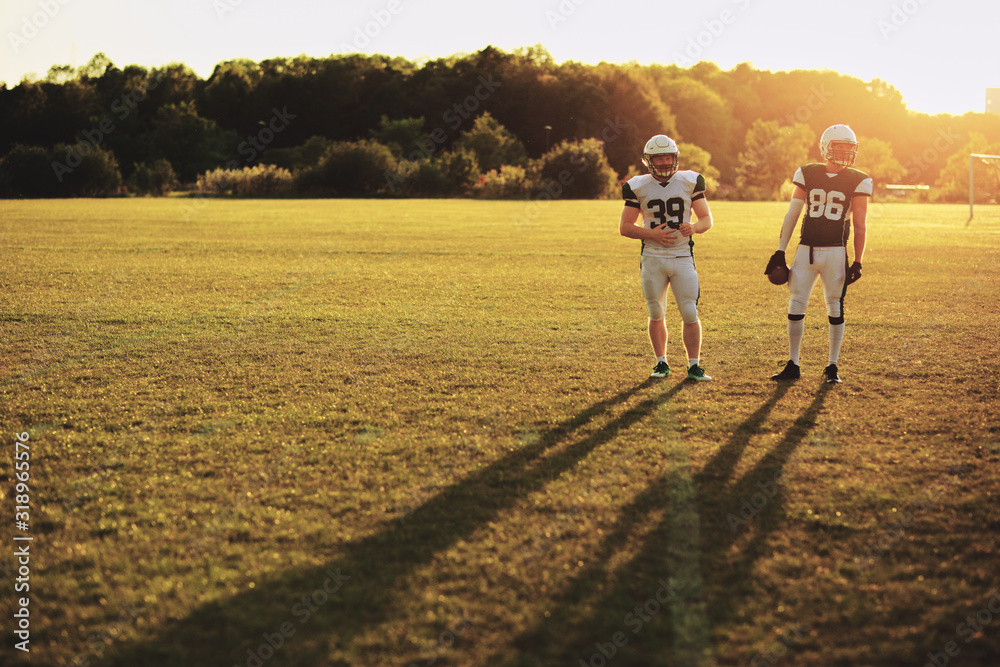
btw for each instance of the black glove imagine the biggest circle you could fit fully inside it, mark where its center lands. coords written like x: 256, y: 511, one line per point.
x: 854, y: 273
x: 777, y: 259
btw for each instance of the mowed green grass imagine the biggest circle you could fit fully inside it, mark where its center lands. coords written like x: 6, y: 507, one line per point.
x: 422, y: 433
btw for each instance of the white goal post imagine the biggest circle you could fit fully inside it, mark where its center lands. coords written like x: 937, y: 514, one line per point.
x: 985, y: 159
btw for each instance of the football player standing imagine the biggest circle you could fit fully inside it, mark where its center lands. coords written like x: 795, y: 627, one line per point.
x: 665, y: 199
x: 835, y: 198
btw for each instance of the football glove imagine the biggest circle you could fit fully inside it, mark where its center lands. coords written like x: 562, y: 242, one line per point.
x: 854, y: 273
x: 777, y: 259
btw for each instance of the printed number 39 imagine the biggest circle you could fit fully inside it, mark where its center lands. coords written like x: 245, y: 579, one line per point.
x: 674, y: 207
x: 827, y: 204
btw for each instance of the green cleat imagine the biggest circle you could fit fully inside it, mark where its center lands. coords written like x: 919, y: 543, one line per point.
x: 661, y: 370
x: 697, y: 373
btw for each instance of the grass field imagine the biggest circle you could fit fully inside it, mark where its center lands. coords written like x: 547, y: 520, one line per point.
x: 421, y: 433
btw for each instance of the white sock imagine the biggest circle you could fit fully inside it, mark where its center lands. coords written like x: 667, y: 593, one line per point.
x: 692, y: 362
x: 836, y: 339
x: 796, y: 329
x: 663, y: 359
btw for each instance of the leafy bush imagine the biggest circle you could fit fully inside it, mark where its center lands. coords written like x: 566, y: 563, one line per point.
x: 509, y: 182
x: 577, y: 170
x: 263, y: 180
x: 450, y: 174
x: 157, y: 179
x: 349, y: 169
x: 26, y: 172
x: 82, y: 170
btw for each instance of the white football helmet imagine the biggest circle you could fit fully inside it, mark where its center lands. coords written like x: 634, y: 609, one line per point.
x: 839, y: 145
x: 661, y: 144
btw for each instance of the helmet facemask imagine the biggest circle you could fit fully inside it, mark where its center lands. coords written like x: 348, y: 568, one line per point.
x: 664, y: 171
x: 839, y: 145
x: 843, y: 153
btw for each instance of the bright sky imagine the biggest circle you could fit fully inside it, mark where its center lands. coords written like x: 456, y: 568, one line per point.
x: 940, y: 54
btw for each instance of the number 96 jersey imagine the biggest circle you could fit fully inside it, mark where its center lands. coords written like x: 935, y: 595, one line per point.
x: 828, y: 202
x: 665, y: 204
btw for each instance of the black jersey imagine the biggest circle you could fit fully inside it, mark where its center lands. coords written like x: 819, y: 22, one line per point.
x: 828, y: 202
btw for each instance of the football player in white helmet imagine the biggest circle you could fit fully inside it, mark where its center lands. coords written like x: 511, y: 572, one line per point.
x: 835, y: 197
x: 664, y: 200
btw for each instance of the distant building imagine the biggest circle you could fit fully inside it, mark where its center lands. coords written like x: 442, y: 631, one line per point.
x: 993, y: 100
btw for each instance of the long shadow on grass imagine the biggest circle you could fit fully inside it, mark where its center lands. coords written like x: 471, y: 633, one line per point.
x: 660, y: 606
x: 372, y: 570
x: 746, y: 511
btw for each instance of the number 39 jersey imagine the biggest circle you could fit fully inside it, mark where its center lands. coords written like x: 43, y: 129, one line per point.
x: 665, y: 204
x: 828, y: 202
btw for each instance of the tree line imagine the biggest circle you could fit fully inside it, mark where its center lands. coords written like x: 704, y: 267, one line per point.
x: 490, y: 123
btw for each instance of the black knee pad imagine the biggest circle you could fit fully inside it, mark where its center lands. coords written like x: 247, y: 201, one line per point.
x: 836, y: 320
x: 796, y: 318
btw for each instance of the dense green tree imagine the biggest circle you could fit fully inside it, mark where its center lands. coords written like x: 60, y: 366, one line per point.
x: 698, y: 159
x: 635, y: 113
x: 876, y: 159
x: 142, y: 115
x: 228, y: 94
x: 704, y: 117
x: 307, y: 155
x: 492, y: 144
x: 193, y: 144
x: 401, y: 135
x: 771, y: 155
x: 953, y: 183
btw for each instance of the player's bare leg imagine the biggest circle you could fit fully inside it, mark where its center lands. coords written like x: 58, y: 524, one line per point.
x: 658, y: 339
x: 692, y: 344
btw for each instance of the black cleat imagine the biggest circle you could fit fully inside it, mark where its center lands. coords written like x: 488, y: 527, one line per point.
x: 791, y: 372
x: 831, y: 374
